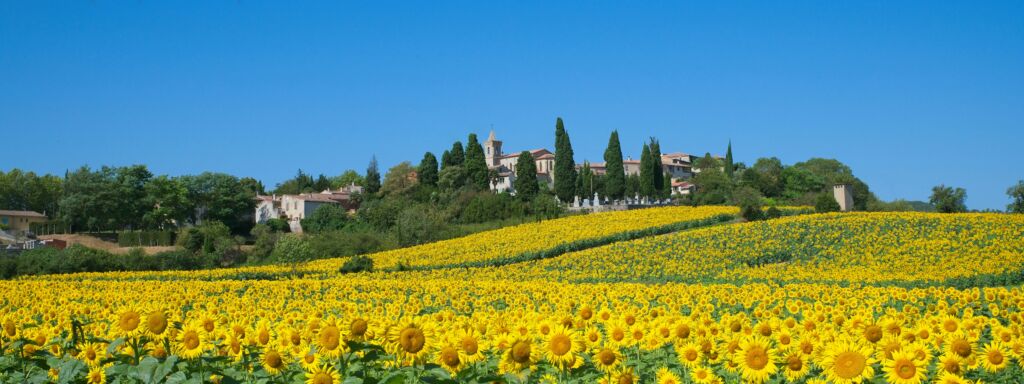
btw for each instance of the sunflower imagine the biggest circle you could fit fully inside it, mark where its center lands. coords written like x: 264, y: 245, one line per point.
x: 96, y: 375
x: 410, y: 341
x: 519, y: 355
x: 872, y: 333
x: 666, y: 376
x: 471, y: 345
x: 950, y: 378
x: 233, y: 347
x: 263, y: 334
x: 191, y: 342
x: 561, y: 346
x: 952, y: 363
x: 91, y: 354
x: 127, y: 324
x: 796, y: 366
x: 995, y: 356
x: 329, y: 340
x: 960, y: 344
x: 702, y: 375
x: 621, y: 375
x: 618, y: 333
x: 449, y: 358
x: 592, y: 337
x: 322, y: 374
x: 847, y: 362
x: 755, y: 359
x: 157, y: 324
x: 606, y: 359
x: 358, y: 329
x: 273, y: 361
x: 308, y: 358
x: 904, y: 368
x: 689, y: 354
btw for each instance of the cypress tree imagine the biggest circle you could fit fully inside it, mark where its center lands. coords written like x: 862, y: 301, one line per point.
x: 666, y: 188
x: 446, y: 159
x: 565, y: 165
x: 526, y: 177
x: 615, y: 179
x: 657, y: 174
x: 585, y: 182
x: 476, y: 164
x: 646, y: 173
x: 427, y: 172
x: 729, y: 168
x: 458, y: 155
x: 372, y: 177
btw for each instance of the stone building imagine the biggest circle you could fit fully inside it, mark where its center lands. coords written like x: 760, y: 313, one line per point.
x: 844, y: 196
x: 505, y: 165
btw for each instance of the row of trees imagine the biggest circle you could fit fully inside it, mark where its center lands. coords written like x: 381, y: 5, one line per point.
x: 131, y: 197
x: 948, y: 199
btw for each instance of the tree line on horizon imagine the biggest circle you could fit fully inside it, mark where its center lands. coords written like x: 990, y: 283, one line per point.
x: 131, y: 197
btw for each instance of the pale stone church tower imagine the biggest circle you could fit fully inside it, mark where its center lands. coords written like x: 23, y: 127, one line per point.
x: 492, y: 151
x: 844, y: 196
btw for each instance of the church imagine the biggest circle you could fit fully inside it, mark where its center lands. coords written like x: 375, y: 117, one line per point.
x: 505, y: 165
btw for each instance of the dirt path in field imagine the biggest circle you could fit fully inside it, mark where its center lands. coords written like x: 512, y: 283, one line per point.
x: 92, y: 242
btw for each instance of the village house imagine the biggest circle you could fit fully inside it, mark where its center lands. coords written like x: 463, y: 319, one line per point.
x: 505, y: 165
x: 19, y: 222
x: 294, y: 208
x: 679, y: 165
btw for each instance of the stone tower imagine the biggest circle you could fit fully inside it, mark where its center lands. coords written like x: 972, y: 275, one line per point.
x: 844, y: 196
x: 492, y: 151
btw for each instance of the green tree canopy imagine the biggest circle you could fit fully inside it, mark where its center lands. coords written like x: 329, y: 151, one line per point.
x: 615, y: 179
x: 26, y: 191
x: 372, y: 179
x: 399, y: 179
x: 1016, y: 194
x: 826, y: 202
x: 526, y: 185
x: 349, y: 177
x: 326, y: 217
x: 647, y: 172
x: 565, y: 164
x: 427, y: 171
x: 948, y: 199
x: 168, y: 203
x: 657, y: 172
x: 457, y: 155
x: 220, y: 197
x: 476, y: 165
x: 729, y: 166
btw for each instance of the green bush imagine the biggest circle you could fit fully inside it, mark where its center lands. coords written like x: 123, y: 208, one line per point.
x: 353, y: 240
x: 279, y: 225
x: 359, y: 263
x: 826, y: 203
x: 327, y: 217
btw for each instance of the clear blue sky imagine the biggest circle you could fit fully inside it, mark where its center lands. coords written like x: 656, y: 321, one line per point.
x: 909, y: 94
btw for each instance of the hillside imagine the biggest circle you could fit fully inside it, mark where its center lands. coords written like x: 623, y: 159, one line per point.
x: 845, y: 297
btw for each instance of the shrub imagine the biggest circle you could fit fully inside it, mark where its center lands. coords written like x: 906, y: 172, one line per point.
x: 826, y: 203
x: 353, y: 240
x: 292, y: 249
x: 279, y: 225
x: 773, y: 212
x: 359, y: 263
x: 327, y: 217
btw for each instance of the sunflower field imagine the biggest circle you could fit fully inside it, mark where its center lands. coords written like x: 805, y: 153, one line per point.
x: 833, y: 298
